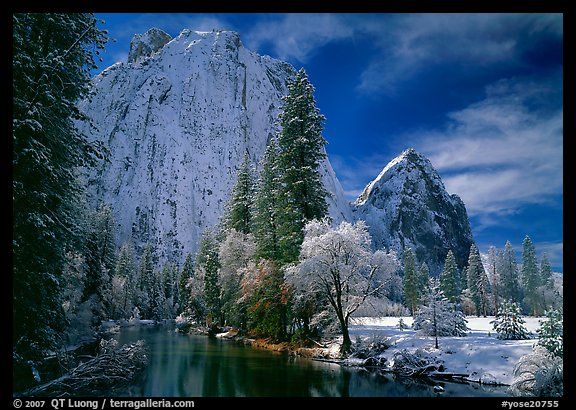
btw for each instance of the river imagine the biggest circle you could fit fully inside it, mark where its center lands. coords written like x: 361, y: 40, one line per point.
x: 197, y: 366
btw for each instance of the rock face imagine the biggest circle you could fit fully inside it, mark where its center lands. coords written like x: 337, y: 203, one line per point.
x: 177, y: 120
x: 144, y: 45
x: 407, y: 205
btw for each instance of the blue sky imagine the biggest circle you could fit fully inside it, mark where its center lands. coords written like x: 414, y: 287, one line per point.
x: 481, y: 95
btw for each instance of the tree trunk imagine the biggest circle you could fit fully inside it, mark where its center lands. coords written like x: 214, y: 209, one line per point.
x: 346, y: 342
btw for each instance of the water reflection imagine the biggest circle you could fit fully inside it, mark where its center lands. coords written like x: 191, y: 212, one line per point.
x: 196, y: 366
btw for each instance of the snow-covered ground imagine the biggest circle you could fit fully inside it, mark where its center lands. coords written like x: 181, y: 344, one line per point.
x: 479, y: 354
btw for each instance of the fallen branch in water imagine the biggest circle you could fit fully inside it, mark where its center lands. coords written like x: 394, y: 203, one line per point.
x: 112, y: 368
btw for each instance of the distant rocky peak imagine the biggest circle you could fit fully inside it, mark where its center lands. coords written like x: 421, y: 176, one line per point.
x: 410, y: 164
x: 408, y: 205
x: 144, y: 45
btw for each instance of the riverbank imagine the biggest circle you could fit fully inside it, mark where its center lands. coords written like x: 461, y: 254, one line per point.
x: 478, y: 357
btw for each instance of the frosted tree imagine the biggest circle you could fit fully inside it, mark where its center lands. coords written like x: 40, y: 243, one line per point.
x: 52, y: 59
x: 302, y: 193
x: 146, y: 276
x: 509, y: 286
x: 100, y: 260
x: 235, y: 252
x: 157, y: 297
x: 477, y: 281
x: 423, y: 277
x: 551, y: 333
x: 240, y: 207
x: 437, y: 316
x: 169, y: 276
x: 449, y: 281
x: 549, y: 295
x: 412, y: 290
x: 530, y: 275
x: 494, y: 274
x: 78, y: 314
x: 539, y: 374
x: 185, y: 276
x: 125, y: 282
x: 509, y: 323
x: 207, y: 265
x: 266, y: 206
x: 338, y: 264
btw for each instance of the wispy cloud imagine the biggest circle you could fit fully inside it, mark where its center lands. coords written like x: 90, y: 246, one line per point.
x: 297, y: 36
x: 411, y: 43
x: 502, y: 152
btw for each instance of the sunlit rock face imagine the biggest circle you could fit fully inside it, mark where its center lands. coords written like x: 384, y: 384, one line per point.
x: 177, y: 119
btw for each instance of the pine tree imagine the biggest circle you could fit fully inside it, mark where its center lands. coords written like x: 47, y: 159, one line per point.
x: 509, y: 323
x: 170, y: 289
x: 302, y: 193
x: 412, y: 290
x: 52, y: 58
x: 551, y: 333
x: 477, y: 281
x: 126, y: 269
x: 206, y: 266
x: 494, y: 275
x: 423, y: 278
x: 240, y: 207
x: 157, y: 297
x: 146, y: 276
x: 509, y: 287
x: 530, y: 275
x: 266, y: 206
x: 437, y: 316
x: 100, y: 261
x: 185, y: 276
x: 449, y: 283
x: 546, y: 280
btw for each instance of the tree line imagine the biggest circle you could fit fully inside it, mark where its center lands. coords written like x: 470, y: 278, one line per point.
x: 483, y: 286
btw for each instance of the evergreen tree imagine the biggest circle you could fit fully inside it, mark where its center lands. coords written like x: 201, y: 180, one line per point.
x: 509, y: 287
x: 146, y: 279
x: 449, y: 283
x: 266, y: 204
x: 240, y: 207
x: 551, y: 333
x: 494, y: 275
x: 235, y: 253
x: 206, y: 266
x: 437, y: 316
x: 423, y: 278
x: 100, y: 261
x: 477, y: 281
x: 546, y: 281
x: 185, y: 276
x: 412, y: 289
x: 267, y: 308
x: 157, y: 297
x: 52, y: 58
x: 170, y: 289
x: 125, y: 274
x: 545, y: 271
x: 509, y: 323
x: 530, y: 275
x: 302, y: 193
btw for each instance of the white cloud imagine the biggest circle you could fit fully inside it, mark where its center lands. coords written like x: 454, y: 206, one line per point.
x: 410, y: 43
x: 297, y: 36
x: 500, y: 153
